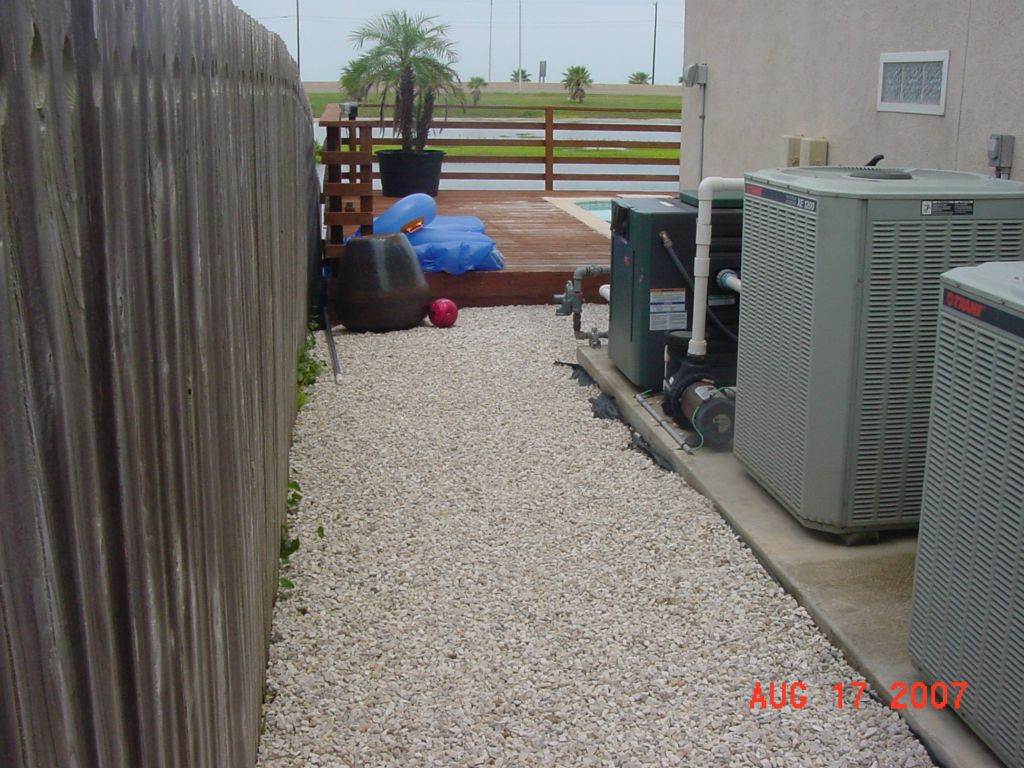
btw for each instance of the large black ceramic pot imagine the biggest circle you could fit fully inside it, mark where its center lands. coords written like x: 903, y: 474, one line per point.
x: 404, y: 172
x: 380, y: 285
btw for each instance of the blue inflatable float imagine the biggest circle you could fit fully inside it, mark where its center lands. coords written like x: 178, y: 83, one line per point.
x: 453, y: 244
x: 407, y: 215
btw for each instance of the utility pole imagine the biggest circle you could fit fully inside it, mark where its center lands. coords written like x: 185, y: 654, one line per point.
x: 298, y: 42
x: 490, y: 40
x: 520, y: 46
x: 653, y: 48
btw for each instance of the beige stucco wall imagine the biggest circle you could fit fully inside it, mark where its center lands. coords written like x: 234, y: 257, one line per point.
x: 811, y: 67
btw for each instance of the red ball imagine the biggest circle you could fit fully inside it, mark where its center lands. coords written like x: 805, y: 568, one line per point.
x: 443, y: 313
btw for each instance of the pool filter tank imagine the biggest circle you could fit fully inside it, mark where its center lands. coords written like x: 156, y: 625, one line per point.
x: 652, y: 298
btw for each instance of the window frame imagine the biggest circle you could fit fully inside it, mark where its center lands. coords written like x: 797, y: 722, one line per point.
x: 913, y: 57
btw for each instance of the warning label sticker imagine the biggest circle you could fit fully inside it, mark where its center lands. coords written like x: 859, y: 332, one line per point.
x: 668, y: 309
x: 947, y: 207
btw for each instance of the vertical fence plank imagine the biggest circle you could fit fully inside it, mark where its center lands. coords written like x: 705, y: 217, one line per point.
x: 158, y: 235
x: 549, y: 149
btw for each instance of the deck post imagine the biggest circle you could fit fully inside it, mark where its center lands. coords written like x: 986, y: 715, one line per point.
x: 348, y: 155
x: 332, y: 143
x: 366, y: 173
x: 549, y: 149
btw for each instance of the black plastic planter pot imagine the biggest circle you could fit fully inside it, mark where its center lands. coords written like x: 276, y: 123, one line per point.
x: 404, y: 173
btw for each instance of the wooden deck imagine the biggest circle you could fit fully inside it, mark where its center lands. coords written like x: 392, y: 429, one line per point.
x: 542, y: 245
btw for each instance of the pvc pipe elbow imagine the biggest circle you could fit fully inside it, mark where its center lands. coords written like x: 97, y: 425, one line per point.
x: 712, y: 184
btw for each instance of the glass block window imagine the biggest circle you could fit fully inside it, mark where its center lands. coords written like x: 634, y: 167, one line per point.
x: 913, y: 82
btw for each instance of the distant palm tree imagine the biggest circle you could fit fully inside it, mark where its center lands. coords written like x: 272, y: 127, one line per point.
x: 639, y: 78
x: 475, y: 84
x: 576, y: 80
x: 519, y: 74
x: 354, y: 79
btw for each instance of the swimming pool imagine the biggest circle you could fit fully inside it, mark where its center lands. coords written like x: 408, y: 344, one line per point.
x: 595, y: 212
x: 602, y: 209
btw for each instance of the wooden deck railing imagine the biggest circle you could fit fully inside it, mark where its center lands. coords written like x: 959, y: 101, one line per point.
x: 547, y: 143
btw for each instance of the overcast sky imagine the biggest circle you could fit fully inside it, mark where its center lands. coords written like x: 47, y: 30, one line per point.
x: 612, y: 38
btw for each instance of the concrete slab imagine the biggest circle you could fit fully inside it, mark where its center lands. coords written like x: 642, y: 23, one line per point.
x: 859, y: 596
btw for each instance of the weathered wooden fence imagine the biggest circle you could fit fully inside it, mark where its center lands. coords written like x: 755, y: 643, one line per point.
x: 157, y: 228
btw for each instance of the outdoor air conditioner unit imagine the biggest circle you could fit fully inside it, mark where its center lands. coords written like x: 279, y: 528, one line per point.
x: 834, y: 362
x: 967, y: 620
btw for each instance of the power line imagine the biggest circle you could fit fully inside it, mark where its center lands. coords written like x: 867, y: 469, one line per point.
x: 653, y: 47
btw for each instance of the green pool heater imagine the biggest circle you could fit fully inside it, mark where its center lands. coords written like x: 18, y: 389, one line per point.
x: 651, y: 313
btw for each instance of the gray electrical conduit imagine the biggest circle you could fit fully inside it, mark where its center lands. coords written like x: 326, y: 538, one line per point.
x: 661, y: 420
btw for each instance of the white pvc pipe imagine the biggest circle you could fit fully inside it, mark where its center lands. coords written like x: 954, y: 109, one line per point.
x: 706, y: 192
x: 730, y: 280
x: 605, y: 291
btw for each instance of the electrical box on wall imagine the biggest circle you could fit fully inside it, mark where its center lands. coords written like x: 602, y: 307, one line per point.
x: 791, y: 155
x: 813, y: 151
x: 1000, y: 151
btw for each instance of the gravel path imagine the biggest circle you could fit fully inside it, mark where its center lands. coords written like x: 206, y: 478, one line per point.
x: 501, y: 581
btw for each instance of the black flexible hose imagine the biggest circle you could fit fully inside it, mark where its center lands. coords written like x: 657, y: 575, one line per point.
x: 667, y: 242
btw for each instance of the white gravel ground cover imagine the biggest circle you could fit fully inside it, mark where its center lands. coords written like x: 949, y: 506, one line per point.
x: 501, y: 581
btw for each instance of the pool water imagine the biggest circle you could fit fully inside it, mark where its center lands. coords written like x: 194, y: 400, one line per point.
x: 602, y: 209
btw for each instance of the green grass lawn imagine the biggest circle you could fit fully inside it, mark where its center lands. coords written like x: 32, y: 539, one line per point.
x: 524, y: 102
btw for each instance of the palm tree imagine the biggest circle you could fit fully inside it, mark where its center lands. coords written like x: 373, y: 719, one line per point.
x: 639, y: 78
x: 411, y: 58
x: 576, y: 80
x: 519, y: 75
x: 354, y: 81
x: 475, y: 84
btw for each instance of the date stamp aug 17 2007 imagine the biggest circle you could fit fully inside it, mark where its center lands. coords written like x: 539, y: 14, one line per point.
x: 796, y: 695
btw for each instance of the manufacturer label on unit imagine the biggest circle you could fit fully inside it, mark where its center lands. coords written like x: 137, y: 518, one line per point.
x: 947, y: 207
x: 994, y: 316
x: 722, y: 300
x: 668, y: 309
x: 776, y: 195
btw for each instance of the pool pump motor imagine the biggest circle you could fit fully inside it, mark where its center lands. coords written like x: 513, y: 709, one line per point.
x: 692, y: 397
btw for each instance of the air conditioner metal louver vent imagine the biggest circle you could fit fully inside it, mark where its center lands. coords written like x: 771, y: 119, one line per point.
x: 783, y: 241
x: 967, y: 621
x: 837, y: 328
x: 890, y: 431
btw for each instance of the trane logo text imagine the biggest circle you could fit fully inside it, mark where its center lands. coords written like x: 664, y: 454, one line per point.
x: 778, y: 196
x: 963, y: 304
